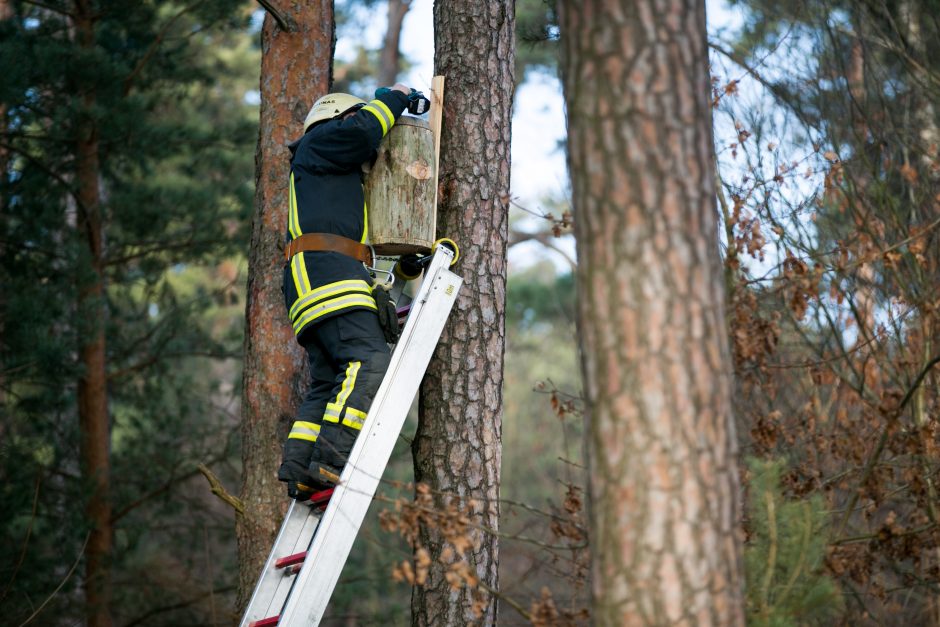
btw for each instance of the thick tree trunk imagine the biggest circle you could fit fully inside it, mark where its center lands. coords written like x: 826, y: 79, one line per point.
x: 457, y: 449
x: 390, y: 59
x: 660, y: 437
x: 295, y: 70
x: 94, y: 424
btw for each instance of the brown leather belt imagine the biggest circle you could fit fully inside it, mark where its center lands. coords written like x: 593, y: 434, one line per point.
x: 329, y: 242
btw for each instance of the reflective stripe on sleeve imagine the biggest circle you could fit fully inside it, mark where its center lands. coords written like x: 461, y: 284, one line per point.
x: 384, y: 120
x: 388, y: 112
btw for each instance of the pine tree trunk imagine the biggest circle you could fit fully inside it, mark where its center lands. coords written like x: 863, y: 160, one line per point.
x: 663, y: 480
x: 390, y: 59
x: 295, y: 70
x: 457, y: 449
x: 95, y: 444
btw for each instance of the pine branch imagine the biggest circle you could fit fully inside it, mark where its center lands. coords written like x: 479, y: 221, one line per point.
x: 129, y: 79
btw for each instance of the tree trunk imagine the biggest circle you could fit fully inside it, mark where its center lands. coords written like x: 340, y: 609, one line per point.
x: 457, y: 445
x: 661, y: 453
x: 390, y: 59
x: 95, y: 443
x: 295, y: 70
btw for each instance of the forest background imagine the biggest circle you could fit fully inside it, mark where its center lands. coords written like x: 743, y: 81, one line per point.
x: 826, y: 141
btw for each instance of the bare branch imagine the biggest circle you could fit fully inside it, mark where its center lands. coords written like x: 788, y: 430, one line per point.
x: 68, y: 576
x: 219, y: 490
x: 270, y: 8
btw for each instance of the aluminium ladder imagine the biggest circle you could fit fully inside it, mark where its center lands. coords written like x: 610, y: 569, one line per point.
x: 313, y: 544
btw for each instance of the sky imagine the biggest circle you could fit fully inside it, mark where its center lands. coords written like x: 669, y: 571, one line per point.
x: 538, y: 127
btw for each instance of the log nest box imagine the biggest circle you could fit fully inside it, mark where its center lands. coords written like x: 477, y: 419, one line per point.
x: 399, y: 190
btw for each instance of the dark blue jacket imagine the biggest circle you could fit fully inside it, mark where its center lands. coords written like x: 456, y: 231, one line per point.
x: 326, y: 196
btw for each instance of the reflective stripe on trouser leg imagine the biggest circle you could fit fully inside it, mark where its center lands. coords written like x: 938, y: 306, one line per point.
x: 304, y: 431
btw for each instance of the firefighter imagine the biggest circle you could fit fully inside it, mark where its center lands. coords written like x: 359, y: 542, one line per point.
x: 327, y: 288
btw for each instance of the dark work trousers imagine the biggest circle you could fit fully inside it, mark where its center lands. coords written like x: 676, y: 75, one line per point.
x: 348, y: 358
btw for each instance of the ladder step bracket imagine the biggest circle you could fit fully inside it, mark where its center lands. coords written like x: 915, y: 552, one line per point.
x: 290, y: 560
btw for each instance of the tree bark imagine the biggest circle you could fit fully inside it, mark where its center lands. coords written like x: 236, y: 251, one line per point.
x: 661, y: 452
x: 457, y: 448
x: 390, y: 59
x: 295, y: 70
x: 94, y: 423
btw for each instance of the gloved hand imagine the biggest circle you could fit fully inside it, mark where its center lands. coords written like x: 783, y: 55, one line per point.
x: 381, y: 91
x: 418, y: 103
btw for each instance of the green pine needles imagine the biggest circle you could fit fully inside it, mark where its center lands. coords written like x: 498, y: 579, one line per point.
x: 784, y: 556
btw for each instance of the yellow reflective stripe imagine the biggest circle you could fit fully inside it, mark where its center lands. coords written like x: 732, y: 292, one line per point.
x: 298, y: 270
x: 354, y: 418
x: 293, y: 220
x: 333, y: 411
x: 304, y: 431
x: 379, y: 115
x: 388, y: 112
x: 351, y: 371
x: 330, y: 289
x: 365, y: 221
x: 355, y: 300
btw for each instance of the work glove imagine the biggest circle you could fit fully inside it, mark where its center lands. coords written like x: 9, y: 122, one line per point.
x: 388, y: 314
x: 418, y: 103
x: 381, y: 91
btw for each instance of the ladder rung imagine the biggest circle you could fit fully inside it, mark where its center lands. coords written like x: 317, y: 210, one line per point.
x: 265, y: 622
x: 290, y: 560
x: 320, y: 498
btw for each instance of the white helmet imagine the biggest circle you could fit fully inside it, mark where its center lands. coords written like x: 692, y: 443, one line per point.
x: 331, y: 106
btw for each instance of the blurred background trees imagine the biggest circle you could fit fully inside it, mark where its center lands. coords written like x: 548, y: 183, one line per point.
x: 126, y: 165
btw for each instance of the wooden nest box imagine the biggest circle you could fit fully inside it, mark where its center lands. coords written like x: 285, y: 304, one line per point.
x: 401, y: 187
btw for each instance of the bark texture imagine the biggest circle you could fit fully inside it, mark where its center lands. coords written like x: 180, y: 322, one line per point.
x: 457, y: 449
x: 295, y: 70
x: 94, y: 422
x: 660, y: 438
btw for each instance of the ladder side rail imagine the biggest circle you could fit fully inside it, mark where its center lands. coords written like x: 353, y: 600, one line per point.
x: 351, y: 500
x: 265, y: 594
